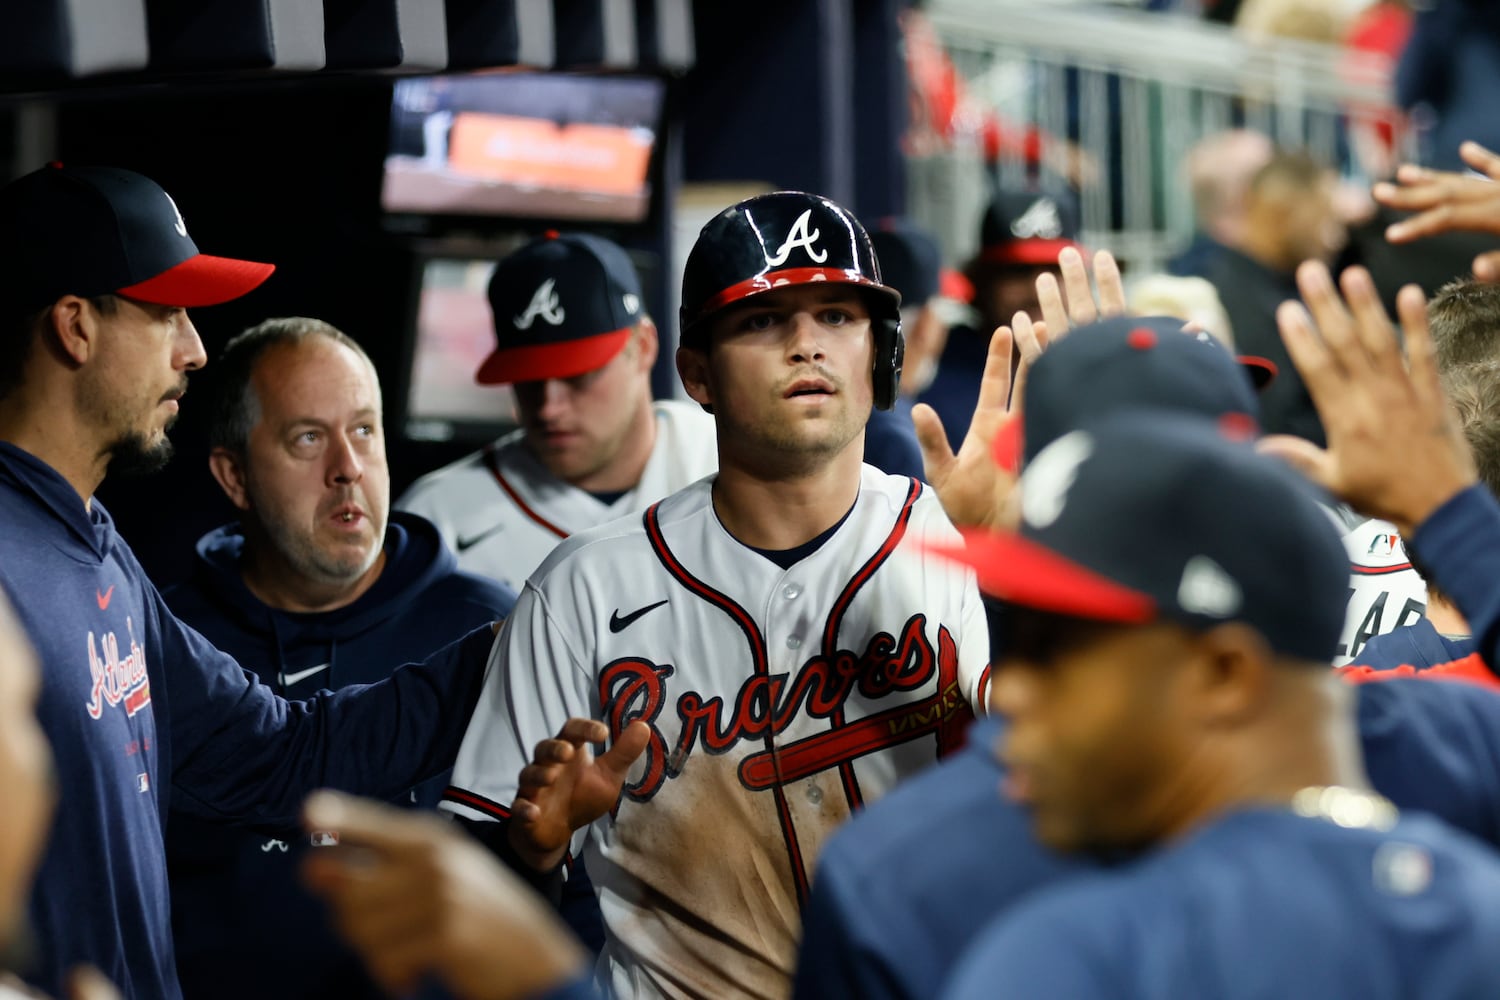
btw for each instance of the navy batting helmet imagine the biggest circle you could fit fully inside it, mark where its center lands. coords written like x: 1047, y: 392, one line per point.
x: 790, y: 238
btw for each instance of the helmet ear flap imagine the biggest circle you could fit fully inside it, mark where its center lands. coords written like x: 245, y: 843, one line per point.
x: 890, y: 350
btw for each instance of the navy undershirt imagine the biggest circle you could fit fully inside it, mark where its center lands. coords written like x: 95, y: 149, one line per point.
x: 608, y: 498
x: 787, y: 558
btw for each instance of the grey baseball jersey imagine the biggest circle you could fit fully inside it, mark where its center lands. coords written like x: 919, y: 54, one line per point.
x: 778, y: 701
x: 501, y: 511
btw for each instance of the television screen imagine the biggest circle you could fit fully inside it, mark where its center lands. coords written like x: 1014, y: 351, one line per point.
x: 454, y: 334
x: 533, y: 145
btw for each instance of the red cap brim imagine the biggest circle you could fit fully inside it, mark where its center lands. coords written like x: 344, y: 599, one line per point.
x: 1021, y: 572
x: 955, y: 285
x: 1262, y: 371
x: 559, y: 359
x: 200, y: 281
x: 1034, y: 252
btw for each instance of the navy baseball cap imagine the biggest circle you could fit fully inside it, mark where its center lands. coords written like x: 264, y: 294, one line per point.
x: 563, y: 304
x: 1133, y: 362
x: 1029, y: 228
x: 93, y: 231
x: 910, y: 261
x: 1145, y: 517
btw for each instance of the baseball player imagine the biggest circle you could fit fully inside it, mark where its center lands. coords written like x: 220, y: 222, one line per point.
x: 1165, y: 685
x: 768, y: 648
x: 575, y: 341
x: 932, y: 862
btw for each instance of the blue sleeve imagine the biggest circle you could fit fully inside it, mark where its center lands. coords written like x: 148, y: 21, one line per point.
x: 1460, y: 546
x: 1422, y: 72
x: 836, y: 957
x: 1037, y: 951
x: 241, y: 753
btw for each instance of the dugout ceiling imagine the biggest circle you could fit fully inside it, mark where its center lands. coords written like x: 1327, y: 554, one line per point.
x: 46, y: 44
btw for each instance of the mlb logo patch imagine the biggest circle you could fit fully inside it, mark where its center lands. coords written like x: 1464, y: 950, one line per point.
x: 143, y: 782
x: 324, y: 838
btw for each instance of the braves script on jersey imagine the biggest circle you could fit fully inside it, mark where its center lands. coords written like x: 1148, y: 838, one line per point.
x: 501, y: 511
x: 1385, y: 593
x: 778, y: 701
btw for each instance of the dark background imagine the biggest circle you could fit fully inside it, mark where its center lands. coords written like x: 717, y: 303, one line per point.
x: 805, y: 94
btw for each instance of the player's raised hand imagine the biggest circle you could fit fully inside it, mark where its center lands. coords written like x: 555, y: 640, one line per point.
x: 1446, y: 201
x: 970, y: 486
x: 416, y: 898
x: 565, y: 787
x: 1079, y: 308
x: 1394, y: 451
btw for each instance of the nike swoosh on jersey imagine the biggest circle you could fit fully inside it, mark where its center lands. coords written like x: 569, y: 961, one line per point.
x: 462, y: 544
x: 103, y: 599
x: 619, y: 623
x: 287, y: 680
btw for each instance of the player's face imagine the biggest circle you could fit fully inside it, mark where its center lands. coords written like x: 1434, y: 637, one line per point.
x: 788, y: 372
x: 25, y: 777
x: 316, y: 480
x: 1009, y: 290
x: 1094, y: 730
x: 133, y: 383
x: 579, y: 428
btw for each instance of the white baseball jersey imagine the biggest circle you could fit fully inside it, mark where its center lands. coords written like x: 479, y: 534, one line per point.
x: 501, y: 511
x: 778, y: 701
x: 1385, y: 593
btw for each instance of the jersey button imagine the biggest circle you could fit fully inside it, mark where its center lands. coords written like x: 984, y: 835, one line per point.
x: 793, y: 642
x: 792, y: 591
x: 814, y: 794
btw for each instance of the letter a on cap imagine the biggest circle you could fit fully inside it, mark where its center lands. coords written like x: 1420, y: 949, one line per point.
x: 799, y: 237
x: 545, y: 305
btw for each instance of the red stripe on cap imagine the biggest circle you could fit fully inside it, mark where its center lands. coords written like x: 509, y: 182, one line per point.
x: 1038, y: 251
x: 790, y: 276
x: 559, y: 359
x: 200, y: 281
x: 1006, y: 448
x: 1020, y: 571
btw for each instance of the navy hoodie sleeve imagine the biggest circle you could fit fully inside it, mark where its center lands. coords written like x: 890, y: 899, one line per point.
x: 244, y: 754
x: 1460, y: 546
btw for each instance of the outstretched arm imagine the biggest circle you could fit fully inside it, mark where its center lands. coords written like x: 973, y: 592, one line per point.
x: 1446, y: 202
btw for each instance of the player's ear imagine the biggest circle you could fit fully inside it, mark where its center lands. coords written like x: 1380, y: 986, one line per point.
x: 645, y: 332
x: 692, y: 368
x: 1231, y: 673
x: 71, y: 326
x: 228, y: 468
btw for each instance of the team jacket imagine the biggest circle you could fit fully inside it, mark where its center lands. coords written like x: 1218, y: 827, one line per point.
x: 1260, y: 903
x: 503, y: 512
x: 778, y: 701
x: 931, y: 863
x: 144, y: 714
x: 244, y: 925
x: 1419, y: 645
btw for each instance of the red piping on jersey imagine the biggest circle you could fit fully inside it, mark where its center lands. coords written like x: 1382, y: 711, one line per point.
x: 478, y: 802
x: 1358, y: 570
x: 761, y: 662
x: 836, y: 618
x: 491, y: 460
x: 490, y: 808
x: 1470, y: 670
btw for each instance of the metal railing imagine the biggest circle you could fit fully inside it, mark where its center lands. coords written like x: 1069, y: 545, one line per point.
x: 1131, y: 92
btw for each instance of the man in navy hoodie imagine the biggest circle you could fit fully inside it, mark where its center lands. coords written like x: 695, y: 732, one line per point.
x: 316, y: 586
x: 142, y: 711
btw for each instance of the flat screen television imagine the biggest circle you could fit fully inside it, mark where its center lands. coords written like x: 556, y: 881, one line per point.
x: 452, y: 335
x: 556, y: 146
